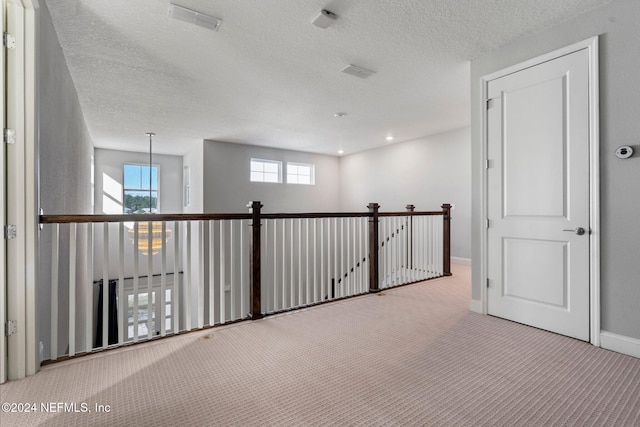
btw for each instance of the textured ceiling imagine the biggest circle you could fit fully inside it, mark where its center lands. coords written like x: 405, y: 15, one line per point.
x: 269, y: 77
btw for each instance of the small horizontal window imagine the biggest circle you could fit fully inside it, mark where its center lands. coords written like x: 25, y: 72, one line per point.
x: 300, y: 173
x: 266, y: 171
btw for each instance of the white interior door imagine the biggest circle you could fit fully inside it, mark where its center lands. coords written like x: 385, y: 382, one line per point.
x: 538, y: 196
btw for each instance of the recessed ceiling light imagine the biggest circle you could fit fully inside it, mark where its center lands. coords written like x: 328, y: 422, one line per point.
x: 340, y: 114
x: 340, y: 151
x: 389, y: 138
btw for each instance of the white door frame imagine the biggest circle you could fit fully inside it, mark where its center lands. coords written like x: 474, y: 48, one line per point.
x: 3, y: 259
x: 21, y: 190
x: 594, y: 175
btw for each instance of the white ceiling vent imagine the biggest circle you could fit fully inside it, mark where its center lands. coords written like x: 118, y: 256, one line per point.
x: 354, y: 70
x: 193, y: 17
x: 324, y: 18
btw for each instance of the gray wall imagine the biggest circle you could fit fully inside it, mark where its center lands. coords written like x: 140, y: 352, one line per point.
x: 66, y: 149
x: 426, y: 172
x: 618, y: 23
x: 65, y: 142
x: 227, y: 187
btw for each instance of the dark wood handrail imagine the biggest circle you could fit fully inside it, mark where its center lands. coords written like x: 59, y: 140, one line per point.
x: 93, y: 218
x: 423, y: 213
x: 311, y: 215
x: 64, y: 219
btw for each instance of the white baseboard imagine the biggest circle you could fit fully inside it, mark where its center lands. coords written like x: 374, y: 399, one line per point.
x: 620, y: 343
x: 461, y: 261
x: 475, y: 305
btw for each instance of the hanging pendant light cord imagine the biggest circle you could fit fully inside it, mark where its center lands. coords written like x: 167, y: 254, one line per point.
x: 151, y: 134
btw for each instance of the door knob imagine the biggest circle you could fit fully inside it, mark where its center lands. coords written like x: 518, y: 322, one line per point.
x: 578, y: 230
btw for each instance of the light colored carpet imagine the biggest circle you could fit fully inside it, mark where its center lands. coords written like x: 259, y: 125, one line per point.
x: 412, y: 356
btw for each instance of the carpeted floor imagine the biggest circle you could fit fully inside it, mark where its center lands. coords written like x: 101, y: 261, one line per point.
x: 410, y: 356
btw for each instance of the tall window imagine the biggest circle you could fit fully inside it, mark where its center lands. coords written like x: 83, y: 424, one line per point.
x: 300, y: 173
x: 137, y: 181
x: 266, y: 170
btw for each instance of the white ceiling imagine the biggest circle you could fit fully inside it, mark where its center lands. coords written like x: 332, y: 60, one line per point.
x: 269, y: 77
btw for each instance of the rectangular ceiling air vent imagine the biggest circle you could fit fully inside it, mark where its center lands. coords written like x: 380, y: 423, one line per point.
x: 356, y: 71
x: 193, y: 17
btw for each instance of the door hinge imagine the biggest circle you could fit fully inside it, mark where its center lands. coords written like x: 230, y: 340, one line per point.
x: 487, y: 164
x: 487, y: 282
x: 10, y: 328
x: 9, y: 136
x: 8, y: 40
x: 10, y: 231
x: 488, y: 223
x: 490, y: 103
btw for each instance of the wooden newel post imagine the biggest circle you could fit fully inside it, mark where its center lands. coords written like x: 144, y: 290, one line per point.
x: 446, y: 239
x: 255, y: 306
x: 373, y: 247
x: 410, y: 209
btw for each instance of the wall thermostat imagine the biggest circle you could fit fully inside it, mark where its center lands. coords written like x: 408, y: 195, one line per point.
x: 624, y: 152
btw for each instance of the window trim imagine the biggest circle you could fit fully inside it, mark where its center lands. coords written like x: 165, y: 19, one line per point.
x: 312, y: 175
x: 124, y: 188
x: 278, y: 163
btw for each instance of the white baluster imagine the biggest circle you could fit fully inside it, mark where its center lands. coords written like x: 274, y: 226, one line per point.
x: 163, y: 282
x: 323, y: 286
x: 136, y: 274
x: 231, y: 272
x: 187, y: 284
x: 292, y: 282
x: 243, y: 298
x: 200, y: 260
x: 308, y: 299
x: 123, y: 309
x: 105, y: 286
x: 88, y: 331
x: 221, y: 268
x: 212, y: 305
x: 150, y: 305
x: 337, y: 242
x: 175, y: 294
x: 284, y: 269
x: 55, y: 239
x: 73, y: 227
x: 315, y: 260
